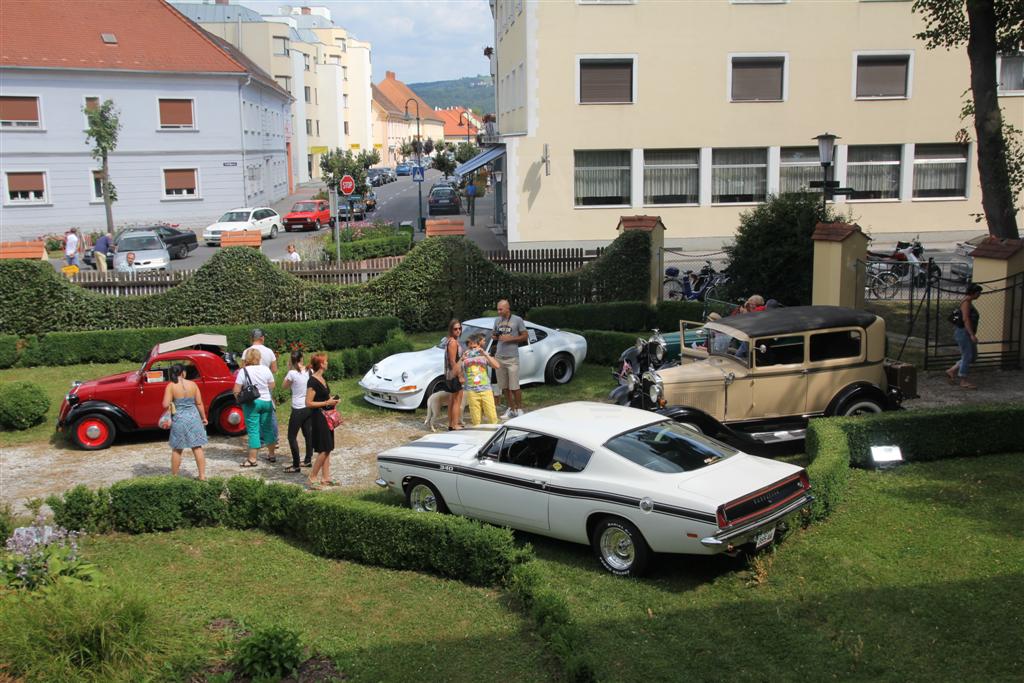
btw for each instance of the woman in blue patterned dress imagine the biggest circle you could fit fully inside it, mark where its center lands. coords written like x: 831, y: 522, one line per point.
x: 188, y: 428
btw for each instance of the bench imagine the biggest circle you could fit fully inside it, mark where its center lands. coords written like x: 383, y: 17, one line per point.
x: 30, y: 250
x: 241, y: 238
x: 437, y: 227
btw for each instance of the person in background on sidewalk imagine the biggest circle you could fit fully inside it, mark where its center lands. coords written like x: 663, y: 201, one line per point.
x: 965, y: 320
x: 470, y: 196
x: 72, y: 247
x: 293, y: 255
x: 509, y: 332
x: 477, y: 364
x: 297, y: 380
x: 100, y: 251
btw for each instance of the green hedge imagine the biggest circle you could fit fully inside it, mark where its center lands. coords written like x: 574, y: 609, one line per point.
x: 8, y: 350
x: 621, y: 316
x: 354, y: 362
x: 22, y: 405
x: 358, y: 250
x: 604, y: 348
x: 165, y: 503
x: 104, y: 346
x: 829, y: 470
x: 440, y: 278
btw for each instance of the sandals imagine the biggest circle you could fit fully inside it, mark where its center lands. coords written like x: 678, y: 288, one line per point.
x: 250, y: 463
x: 292, y: 470
x: 330, y: 482
x: 968, y: 385
x: 271, y: 458
x: 951, y: 378
x: 314, y: 486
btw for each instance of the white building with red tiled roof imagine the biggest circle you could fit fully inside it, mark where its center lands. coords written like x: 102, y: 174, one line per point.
x: 203, y: 129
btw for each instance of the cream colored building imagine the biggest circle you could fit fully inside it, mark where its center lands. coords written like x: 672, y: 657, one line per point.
x: 327, y: 71
x: 696, y: 111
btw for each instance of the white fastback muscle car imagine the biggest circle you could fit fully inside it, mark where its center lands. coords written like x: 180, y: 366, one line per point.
x: 625, y: 481
x: 405, y: 380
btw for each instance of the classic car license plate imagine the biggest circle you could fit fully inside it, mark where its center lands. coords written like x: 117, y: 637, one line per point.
x: 764, y: 538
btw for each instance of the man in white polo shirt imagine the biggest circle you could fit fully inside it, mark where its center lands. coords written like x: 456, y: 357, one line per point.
x: 269, y: 359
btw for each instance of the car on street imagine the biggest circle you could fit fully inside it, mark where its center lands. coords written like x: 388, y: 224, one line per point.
x: 626, y: 482
x: 95, y: 412
x: 151, y: 253
x: 178, y: 242
x: 376, y: 177
x: 763, y: 375
x: 389, y: 174
x: 403, y: 169
x: 358, y: 211
x: 405, y: 380
x: 446, y: 182
x: 309, y: 214
x: 264, y: 219
x: 443, y: 199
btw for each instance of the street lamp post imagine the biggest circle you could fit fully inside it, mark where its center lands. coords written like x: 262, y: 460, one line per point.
x: 461, y: 114
x: 826, y: 150
x: 419, y: 161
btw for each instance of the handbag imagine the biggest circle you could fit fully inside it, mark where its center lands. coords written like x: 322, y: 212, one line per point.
x: 167, y: 418
x: 333, y: 418
x: 956, y: 317
x: 249, y: 392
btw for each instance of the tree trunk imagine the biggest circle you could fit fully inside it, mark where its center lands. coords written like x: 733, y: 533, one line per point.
x: 996, y: 195
x: 105, y: 184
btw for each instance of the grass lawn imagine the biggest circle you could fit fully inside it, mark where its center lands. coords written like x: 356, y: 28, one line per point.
x: 379, y: 624
x: 918, y: 576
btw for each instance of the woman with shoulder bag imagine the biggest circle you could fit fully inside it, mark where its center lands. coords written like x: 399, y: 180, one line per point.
x: 319, y: 400
x: 965, y: 319
x: 297, y: 380
x: 254, y: 383
x: 188, y: 419
x: 453, y: 351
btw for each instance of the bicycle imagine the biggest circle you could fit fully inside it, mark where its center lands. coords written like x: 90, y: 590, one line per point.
x: 883, y: 284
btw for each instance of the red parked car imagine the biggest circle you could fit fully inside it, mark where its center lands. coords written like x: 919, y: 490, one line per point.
x: 310, y: 214
x: 93, y: 413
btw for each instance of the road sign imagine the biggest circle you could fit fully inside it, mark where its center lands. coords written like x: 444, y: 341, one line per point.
x: 347, y: 185
x: 417, y: 174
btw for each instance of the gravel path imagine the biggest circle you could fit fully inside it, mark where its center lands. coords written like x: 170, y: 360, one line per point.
x: 39, y: 469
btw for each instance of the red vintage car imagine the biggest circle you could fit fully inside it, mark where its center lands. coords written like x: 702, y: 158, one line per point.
x: 310, y: 214
x: 93, y: 413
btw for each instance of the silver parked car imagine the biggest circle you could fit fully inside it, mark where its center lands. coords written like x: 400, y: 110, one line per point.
x: 150, y: 251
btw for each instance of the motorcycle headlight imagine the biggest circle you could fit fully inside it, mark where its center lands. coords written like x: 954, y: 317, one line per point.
x: 631, y: 382
x: 640, y: 344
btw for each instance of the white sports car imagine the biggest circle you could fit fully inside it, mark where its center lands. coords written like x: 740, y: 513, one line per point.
x: 405, y: 380
x: 625, y: 481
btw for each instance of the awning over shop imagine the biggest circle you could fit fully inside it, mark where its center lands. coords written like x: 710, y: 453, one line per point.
x: 482, y: 159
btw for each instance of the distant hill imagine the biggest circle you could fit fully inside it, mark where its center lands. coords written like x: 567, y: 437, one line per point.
x: 475, y: 92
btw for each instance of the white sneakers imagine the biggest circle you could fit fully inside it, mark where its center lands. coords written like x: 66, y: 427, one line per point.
x: 510, y: 413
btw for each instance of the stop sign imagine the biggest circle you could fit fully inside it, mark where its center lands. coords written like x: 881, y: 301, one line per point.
x: 347, y: 185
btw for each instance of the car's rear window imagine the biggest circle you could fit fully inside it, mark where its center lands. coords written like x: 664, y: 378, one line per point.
x: 142, y: 243
x: 234, y: 217
x: 442, y: 192
x: 306, y: 206
x: 669, y: 447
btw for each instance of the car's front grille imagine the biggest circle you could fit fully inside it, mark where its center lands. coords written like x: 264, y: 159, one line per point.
x: 764, y: 500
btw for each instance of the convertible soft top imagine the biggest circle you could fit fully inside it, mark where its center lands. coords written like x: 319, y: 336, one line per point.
x: 794, y: 319
x: 193, y: 340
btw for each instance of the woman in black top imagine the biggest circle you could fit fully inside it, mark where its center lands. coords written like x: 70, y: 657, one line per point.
x: 453, y: 350
x: 966, y: 319
x: 318, y: 397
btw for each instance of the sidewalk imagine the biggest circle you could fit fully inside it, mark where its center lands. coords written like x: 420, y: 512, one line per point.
x: 302, y: 191
x: 483, y: 234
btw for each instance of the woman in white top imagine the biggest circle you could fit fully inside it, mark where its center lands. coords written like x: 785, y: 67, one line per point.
x: 293, y: 255
x: 296, y: 380
x: 259, y: 414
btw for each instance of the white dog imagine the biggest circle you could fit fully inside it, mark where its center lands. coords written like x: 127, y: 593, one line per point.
x: 435, y: 405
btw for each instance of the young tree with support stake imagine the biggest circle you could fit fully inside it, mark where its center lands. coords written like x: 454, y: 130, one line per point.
x: 988, y: 27
x: 104, y: 124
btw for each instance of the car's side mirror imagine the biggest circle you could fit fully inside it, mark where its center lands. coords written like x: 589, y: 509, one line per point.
x: 762, y: 349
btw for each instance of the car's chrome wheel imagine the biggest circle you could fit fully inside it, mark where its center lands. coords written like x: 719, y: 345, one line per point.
x: 620, y: 547
x: 273, y: 231
x: 617, y: 549
x: 423, y: 497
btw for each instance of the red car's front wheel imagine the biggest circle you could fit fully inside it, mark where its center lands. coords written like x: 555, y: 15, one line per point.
x: 93, y: 432
x: 230, y: 420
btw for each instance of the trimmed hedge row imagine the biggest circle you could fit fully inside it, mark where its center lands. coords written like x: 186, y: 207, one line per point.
x: 8, y: 350
x: 440, y: 278
x: 620, y: 316
x: 604, y: 348
x: 834, y: 444
x: 354, y: 362
x: 374, y: 248
x: 101, y: 346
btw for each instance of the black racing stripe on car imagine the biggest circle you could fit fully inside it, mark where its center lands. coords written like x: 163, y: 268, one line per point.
x: 565, y: 492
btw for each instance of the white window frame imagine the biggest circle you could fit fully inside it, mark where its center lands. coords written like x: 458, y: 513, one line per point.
x: 632, y: 183
x: 164, y: 197
x: 711, y: 176
x: 759, y: 2
x: 45, y: 200
x: 643, y: 167
x: 287, y: 45
x: 605, y: 2
x: 607, y: 56
x: 85, y: 98
x: 999, y: 67
x: 902, y: 164
x: 195, y: 115
x: 40, y: 126
x: 966, y: 160
x: 756, y: 55
x: 93, y: 198
x: 857, y: 54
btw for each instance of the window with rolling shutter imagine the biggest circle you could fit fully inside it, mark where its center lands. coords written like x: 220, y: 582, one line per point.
x: 180, y: 182
x: 92, y: 103
x: 26, y: 187
x: 883, y: 76
x: 19, y: 112
x: 606, y: 81
x: 176, y: 114
x: 758, y: 79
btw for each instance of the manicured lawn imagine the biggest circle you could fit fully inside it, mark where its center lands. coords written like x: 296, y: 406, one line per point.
x: 919, y: 576
x: 380, y: 625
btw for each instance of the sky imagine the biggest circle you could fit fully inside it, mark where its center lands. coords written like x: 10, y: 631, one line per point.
x: 420, y: 40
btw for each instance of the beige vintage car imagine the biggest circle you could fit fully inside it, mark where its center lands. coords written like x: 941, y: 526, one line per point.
x: 761, y: 376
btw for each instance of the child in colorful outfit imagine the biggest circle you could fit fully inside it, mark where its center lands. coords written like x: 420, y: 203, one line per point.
x: 477, y: 364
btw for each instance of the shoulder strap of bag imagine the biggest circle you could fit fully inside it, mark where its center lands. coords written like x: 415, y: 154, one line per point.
x: 248, y: 380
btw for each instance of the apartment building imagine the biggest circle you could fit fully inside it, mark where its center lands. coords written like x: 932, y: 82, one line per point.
x: 460, y: 124
x: 203, y: 129
x: 697, y: 111
x: 390, y: 129
x: 402, y: 99
x: 326, y: 70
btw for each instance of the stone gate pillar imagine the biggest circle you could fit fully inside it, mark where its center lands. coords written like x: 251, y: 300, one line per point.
x: 654, y: 226
x: 838, y: 281
x: 999, y: 264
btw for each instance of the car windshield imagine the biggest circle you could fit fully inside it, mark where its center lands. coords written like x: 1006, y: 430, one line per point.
x: 234, y: 217
x: 467, y: 332
x: 305, y: 206
x: 724, y: 344
x: 139, y: 243
x: 669, y: 447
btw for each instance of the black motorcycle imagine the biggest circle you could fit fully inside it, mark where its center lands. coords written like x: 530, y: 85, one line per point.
x: 639, y: 385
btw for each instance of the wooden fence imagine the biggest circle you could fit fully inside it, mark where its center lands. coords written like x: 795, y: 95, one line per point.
x: 543, y: 260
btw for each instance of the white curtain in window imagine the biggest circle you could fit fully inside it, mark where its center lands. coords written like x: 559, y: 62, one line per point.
x: 1011, y: 73
x: 940, y: 179
x: 602, y: 177
x: 671, y: 176
x: 739, y: 175
x: 798, y: 178
x: 873, y: 171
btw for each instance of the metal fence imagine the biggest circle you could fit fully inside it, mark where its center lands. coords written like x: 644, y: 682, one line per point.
x: 691, y: 275
x: 543, y: 260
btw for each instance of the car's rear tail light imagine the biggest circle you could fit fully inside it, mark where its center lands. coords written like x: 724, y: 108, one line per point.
x: 805, y: 482
x: 720, y: 514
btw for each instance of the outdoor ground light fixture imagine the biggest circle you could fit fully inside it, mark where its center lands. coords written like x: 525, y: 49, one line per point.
x: 886, y: 456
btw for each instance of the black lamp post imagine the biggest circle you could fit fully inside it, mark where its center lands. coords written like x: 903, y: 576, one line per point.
x: 826, y: 150
x: 419, y: 161
x: 466, y: 124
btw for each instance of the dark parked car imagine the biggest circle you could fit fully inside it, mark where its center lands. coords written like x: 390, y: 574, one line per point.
x: 178, y: 242
x: 358, y: 207
x: 376, y: 177
x: 443, y: 200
